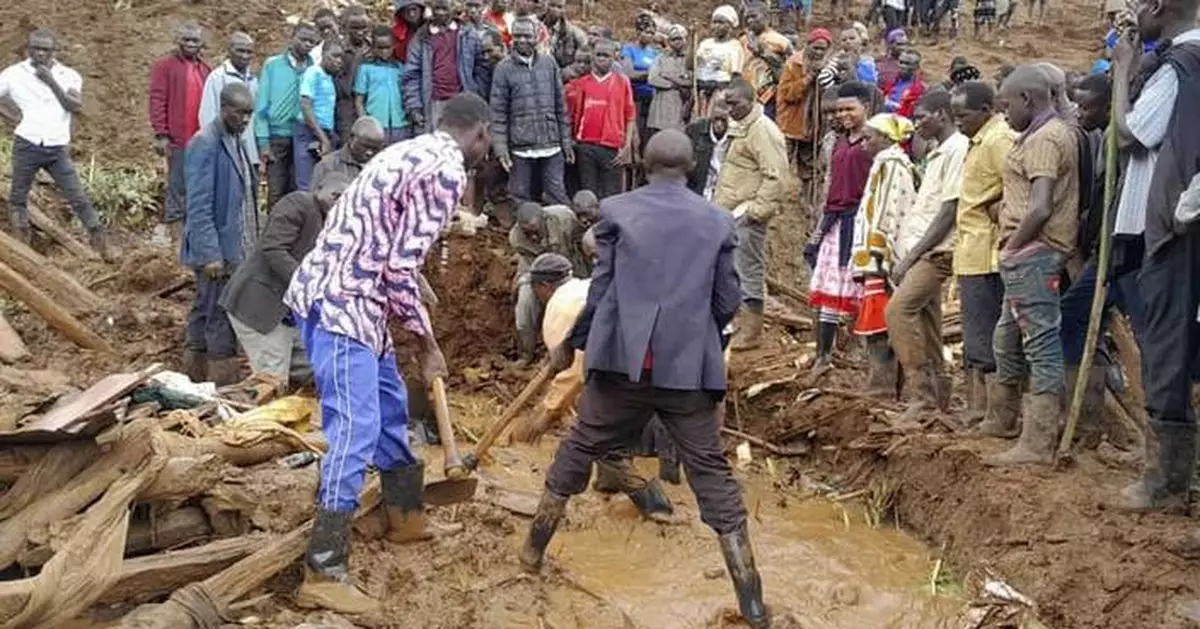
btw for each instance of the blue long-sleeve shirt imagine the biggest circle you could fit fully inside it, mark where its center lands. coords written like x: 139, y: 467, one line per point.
x: 277, y: 106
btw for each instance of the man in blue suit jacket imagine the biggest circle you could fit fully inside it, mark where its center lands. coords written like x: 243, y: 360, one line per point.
x: 221, y: 224
x: 663, y: 288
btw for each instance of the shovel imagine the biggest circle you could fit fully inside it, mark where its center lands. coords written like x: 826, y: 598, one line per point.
x: 457, y: 486
x: 498, y: 427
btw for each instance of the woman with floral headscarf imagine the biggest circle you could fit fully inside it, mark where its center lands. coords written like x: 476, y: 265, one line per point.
x: 891, y: 187
x: 720, y: 57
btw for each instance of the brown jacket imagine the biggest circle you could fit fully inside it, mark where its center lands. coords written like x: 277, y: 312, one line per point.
x: 754, y: 168
x: 794, y: 101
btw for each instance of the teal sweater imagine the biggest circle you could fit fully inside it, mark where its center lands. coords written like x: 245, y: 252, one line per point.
x: 278, y: 102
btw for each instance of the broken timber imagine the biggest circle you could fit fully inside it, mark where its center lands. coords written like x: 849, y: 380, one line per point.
x: 56, y: 315
x: 64, y: 289
x: 58, y: 234
x: 12, y: 348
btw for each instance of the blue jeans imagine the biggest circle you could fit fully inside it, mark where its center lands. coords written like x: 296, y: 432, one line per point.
x: 208, y: 328
x: 364, y: 412
x: 1123, y: 293
x: 1028, y: 335
x: 302, y: 157
x: 532, y: 179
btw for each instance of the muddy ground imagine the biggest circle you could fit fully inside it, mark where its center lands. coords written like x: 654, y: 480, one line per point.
x: 1045, y: 532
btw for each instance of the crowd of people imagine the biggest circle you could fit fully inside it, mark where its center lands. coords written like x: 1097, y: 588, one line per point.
x: 646, y: 174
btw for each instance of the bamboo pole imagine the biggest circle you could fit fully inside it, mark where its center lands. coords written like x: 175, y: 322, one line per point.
x: 1098, y: 295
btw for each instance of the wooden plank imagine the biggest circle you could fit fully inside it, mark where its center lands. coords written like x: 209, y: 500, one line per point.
x: 64, y: 419
x: 59, y: 234
x: 146, y: 578
x: 59, y: 285
x: 56, y: 315
x: 12, y: 348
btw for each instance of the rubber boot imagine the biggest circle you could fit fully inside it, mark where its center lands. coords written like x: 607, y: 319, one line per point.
x: 882, y: 373
x: 223, y: 371
x: 1165, y: 481
x: 1039, y: 435
x: 1092, y: 417
x: 668, y: 470
x: 550, y: 512
x: 23, y: 233
x: 99, y: 243
x: 1003, y: 411
x: 749, y: 335
x: 327, y: 583
x: 404, y: 501
x: 826, y: 339
x: 747, y: 584
x: 652, y: 502
x: 194, y: 364
x: 609, y: 477
x: 977, y: 396
x: 526, y: 347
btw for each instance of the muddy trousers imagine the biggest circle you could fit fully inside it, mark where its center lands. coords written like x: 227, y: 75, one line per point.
x: 27, y: 160
x: 750, y: 259
x: 364, y: 412
x: 208, y: 330
x: 980, y: 296
x: 914, y: 314
x: 1028, y: 336
x: 614, y: 412
x: 1170, y: 289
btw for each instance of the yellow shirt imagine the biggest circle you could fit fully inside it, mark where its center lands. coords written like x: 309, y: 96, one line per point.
x: 976, y: 250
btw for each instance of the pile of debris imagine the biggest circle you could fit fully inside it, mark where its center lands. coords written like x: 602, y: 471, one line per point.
x: 147, y: 486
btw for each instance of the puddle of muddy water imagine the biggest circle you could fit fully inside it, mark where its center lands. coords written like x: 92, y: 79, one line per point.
x: 819, y: 561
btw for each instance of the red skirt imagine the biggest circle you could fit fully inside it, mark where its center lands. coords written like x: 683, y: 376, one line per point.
x: 871, y: 319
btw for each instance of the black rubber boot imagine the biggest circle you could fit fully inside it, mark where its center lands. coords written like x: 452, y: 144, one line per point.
x: 403, y: 498
x: 747, y: 584
x: 652, y: 502
x: 1165, y: 481
x: 550, y: 512
x: 826, y: 338
x: 327, y: 583
x: 668, y: 471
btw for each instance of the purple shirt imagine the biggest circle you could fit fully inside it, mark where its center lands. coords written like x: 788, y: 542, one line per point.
x: 364, y: 265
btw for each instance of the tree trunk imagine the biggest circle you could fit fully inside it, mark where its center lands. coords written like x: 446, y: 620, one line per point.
x: 64, y: 288
x: 56, y: 315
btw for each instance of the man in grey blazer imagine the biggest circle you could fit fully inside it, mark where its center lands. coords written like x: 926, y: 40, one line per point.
x: 663, y: 288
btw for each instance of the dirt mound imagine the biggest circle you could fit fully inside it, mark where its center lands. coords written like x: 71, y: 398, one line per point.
x: 473, y: 278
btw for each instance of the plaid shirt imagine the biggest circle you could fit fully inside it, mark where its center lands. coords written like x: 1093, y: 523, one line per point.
x: 376, y: 237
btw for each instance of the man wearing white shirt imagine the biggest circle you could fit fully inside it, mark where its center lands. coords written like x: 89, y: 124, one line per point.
x: 47, y: 93
x: 236, y: 69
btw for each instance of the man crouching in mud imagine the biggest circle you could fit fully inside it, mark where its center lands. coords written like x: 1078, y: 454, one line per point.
x: 362, y: 270
x: 663, y: 288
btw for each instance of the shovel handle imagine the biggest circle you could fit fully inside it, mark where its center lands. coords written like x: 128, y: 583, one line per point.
x: 453, y: 463
x: 497, y: 428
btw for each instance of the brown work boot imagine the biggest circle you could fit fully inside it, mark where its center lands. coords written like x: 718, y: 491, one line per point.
x: 1166, y: 478
x: 99, y: 242
x: 327, y: 583
x: 977, y: 397
x: 224, y: 371
x: 1039, y: 435
x: 1003, y: 411
x: 404, y: 501
x: 194, y: 364
x: 550, y: 512
x: 749, y: 334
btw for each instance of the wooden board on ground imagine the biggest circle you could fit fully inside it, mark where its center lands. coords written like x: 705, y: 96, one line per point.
x: 519, y: 502
x: 144, y: 579
x: 82, y: 416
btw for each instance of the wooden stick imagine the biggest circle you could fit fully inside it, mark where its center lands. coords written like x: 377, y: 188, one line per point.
x: 54, y: 314
x: 58, y: 234
x: 471, y: 461
x: 65, y: 289
x: 1098, y: 295
x: 777, y: 450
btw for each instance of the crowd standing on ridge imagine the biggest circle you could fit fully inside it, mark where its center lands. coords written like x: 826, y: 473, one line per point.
x: 643, y: 177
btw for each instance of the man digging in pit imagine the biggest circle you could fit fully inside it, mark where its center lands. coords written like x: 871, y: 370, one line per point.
x: 362, y: 271
x: 653, y: 345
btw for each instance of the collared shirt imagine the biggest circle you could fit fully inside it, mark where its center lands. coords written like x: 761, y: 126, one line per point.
x: 44, y: 121
x: 976, y: 250
x: 1148, y: 120
x: 364, y: 265
x: 941, y: 182
x: 210, y: 104
x: 317, y: 86
x: 378, y: 82
x: 718, y: 61
x: 277, y: 105
x: 1050, y: 151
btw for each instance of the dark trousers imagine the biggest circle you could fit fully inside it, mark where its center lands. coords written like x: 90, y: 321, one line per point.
x: 1123, y: 293
x: 27, y: 159
x: 1170, y: 283
x: 981, y: 297
x: 613, y: 414
x: 596, y: 170
x: 892, y: 18
x: 281, y: 170
x: 175, y: 203
x: 208, y: 328
x: 304, y: 159
x: 531, y: 179
x: 399, y: 134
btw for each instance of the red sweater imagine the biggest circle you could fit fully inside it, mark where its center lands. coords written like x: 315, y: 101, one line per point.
x: 176, y: 86
x: 601, y: 109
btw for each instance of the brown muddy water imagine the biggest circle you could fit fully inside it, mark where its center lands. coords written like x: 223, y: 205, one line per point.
x: 820, y: 561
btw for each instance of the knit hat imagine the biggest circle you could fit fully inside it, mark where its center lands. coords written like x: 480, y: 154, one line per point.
x: 896, y: 36
x: 727, y: 13
x: 893, y: 127
x: 676, y: 30
x: 820, y: 34
x: 549, y: 267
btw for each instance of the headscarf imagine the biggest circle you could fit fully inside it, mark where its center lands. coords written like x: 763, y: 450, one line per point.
x: 549, y: 267
x: 727, y: 13
x: 893, y: 127
x: 895, y: 36
x: 820, y: 34
x: 863, y: 32
x: 676, y: 30
x: 963, y: 74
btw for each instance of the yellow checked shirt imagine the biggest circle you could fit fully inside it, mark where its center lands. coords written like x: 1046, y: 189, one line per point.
x: 976, y: 250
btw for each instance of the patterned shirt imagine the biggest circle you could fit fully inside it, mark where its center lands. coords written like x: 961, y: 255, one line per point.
x: 376, y: 237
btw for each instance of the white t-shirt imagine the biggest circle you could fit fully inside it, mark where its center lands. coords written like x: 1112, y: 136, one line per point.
x: 44, y: 121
